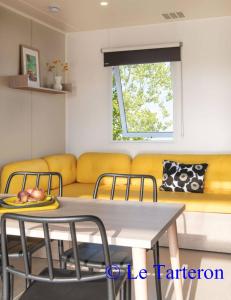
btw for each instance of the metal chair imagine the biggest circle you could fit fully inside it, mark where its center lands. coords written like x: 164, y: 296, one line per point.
x: 38, y: 175
x: 54, y: 283
x: 34, y: 244
x: 90, y: 254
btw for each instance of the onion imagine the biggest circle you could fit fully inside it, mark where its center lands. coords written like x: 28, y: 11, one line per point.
x: 29, y: 191
x: 23, y: 196
x: 38, y: 194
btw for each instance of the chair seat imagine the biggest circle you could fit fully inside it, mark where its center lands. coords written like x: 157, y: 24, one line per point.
x: 92, y: 255
x: 70, y: 291
x: 15, y: 247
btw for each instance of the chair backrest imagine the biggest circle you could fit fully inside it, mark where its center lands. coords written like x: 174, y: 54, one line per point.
x: 128, y: 178
x: 46, y: 225
x: 25, y: 175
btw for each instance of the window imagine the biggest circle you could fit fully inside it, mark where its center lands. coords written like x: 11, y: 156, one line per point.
x: 143, y: 101
x: 143, y: 91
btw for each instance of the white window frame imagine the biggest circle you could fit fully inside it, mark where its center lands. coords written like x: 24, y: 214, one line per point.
x: 153, y: 135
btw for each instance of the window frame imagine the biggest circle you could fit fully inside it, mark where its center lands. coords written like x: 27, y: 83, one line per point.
x: 152, y: 136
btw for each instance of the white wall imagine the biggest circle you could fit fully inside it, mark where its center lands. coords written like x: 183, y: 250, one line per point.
x: 207, y: 87
x: 31, y: 124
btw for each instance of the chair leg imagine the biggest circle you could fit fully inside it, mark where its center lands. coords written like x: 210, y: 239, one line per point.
x: 60, y: 252
x: 6, y: 288
x: 128, y: 289
x: 63, y: 264
x: 28, y: 282
x: 122, y: 292
x: 11, y: 286
x: 156, y: 258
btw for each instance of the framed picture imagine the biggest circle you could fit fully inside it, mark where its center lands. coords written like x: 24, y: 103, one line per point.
x: 30, y: 65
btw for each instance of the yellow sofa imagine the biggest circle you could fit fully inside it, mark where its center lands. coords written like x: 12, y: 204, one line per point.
x: 79, y: 176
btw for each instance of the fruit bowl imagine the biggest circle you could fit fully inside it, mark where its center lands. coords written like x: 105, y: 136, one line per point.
x: 11, y: 202
x: 31, y: 197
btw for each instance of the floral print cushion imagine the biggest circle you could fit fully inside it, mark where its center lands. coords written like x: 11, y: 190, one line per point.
x: 179, y: 177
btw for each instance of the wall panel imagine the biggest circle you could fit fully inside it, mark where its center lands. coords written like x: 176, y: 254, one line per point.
x: 206, y: 87
x: 31, y: 124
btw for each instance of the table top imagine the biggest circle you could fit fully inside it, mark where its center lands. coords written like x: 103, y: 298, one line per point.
x: 128, y: 223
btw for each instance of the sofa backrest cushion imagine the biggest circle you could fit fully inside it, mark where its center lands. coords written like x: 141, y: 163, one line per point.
x: 65, y: 164
x: 37, y: 165
x: 217, y: 177
x: 93, y: 164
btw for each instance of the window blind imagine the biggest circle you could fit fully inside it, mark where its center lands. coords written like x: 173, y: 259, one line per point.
x: 142, y: 56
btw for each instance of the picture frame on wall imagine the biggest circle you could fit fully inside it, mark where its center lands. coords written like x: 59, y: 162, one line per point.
x: 30, y: 65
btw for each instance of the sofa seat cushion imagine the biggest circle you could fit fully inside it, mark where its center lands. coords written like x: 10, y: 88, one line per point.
x: 77, y: 190
x: 216, y: 203
x: 34, y: 165
x: 213, y: 203
x: 65, y: 164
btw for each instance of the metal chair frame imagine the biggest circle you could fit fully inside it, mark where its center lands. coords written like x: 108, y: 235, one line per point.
x: 114, y: 176
x: 38, y: 175
x: 129, y: 177
x: 71, y: 221
x: 25, y: 175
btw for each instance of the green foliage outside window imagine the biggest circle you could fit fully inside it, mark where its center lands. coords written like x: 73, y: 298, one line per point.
x: 147, y: 97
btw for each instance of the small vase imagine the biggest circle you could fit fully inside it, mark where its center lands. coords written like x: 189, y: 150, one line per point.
x: 58, y: 83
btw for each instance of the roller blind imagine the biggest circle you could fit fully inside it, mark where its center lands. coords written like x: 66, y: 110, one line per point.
x: 142, y: 56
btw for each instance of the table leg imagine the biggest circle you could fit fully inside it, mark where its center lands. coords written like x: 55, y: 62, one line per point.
x: 140, y: 262
x: 175, y: 260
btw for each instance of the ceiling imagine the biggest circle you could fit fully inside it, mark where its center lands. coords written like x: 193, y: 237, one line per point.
x: 81, y: 15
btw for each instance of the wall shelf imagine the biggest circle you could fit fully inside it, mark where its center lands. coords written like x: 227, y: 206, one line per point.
x: 21, y: 82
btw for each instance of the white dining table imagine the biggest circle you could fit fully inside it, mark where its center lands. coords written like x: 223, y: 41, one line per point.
x: 138, y: 225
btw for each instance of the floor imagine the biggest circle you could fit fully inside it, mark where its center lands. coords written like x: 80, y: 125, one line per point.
x: 193, y: 289
x: 198, y: 289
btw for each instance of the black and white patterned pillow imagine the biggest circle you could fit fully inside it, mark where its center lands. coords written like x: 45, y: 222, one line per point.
x: 179, y: 177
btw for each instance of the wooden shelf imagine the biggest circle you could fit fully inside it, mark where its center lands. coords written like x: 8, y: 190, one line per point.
x: 21, y: 82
